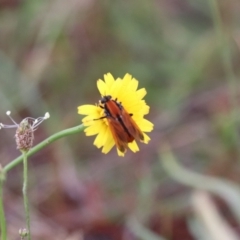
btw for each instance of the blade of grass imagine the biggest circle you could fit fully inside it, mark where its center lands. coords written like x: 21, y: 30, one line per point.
x: 227, y: 190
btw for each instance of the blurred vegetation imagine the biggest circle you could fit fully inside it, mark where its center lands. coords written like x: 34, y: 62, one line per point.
x: 185, y: 53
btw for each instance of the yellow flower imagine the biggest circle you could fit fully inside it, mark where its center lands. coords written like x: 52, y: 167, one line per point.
x: 126, y: 98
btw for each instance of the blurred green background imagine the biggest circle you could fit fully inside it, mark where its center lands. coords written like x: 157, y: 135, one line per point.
x: 185, y: 53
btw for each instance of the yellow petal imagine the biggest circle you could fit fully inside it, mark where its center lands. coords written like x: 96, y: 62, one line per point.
x: 145, y: 125
x: 126, y: 79
x: 108, y: 145
x: 121, y: 154
x: 133, y: 146
x: 116, y: 88
x: 99, y: 140
x: 141, y: 93
x: 93, y: 129
x: 109, y: 80
x: 88, y: 123
x: 87, y: 109
x: 91, y: 118
x: 146, y: 138
x: 102, y: 87
x: 133, y: 85
x: 137, y: 107
x: 145, y: 109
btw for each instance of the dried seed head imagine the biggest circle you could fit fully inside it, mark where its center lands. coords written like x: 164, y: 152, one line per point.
x: 24, y: 135
x: 25, y: 130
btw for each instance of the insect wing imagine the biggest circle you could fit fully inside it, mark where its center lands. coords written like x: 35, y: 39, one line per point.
x: 120, y: 137
x: 131, y: 126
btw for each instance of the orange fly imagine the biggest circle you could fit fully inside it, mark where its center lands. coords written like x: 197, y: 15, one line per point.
x: 123, y: 128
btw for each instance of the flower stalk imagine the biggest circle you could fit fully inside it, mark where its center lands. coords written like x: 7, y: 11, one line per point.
x: 44, y: 143
x: 2, y: 214
x: 24, y: 190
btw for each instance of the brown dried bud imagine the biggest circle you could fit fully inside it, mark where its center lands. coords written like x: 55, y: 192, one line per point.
x: 25, y: 130
x: 24, y: 135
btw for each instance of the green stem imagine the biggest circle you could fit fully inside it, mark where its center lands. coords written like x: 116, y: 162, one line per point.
x: 43, y: 144
x: 2, y: 214
x: 24, y: 190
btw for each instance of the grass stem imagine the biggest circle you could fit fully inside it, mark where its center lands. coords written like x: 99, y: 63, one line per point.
x: 2, y: 214
x: 25, y: 193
